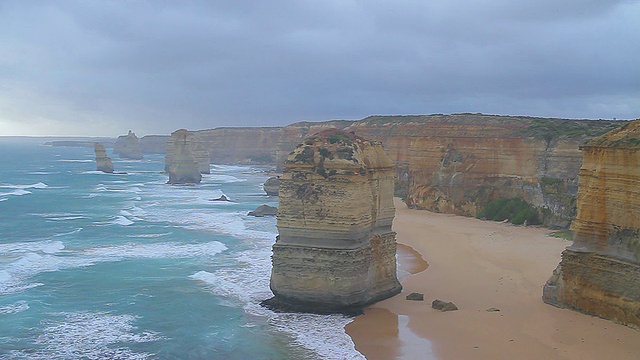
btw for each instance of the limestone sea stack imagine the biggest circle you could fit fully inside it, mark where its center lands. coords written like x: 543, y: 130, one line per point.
x: 183, y: 168
x: 103, y: 162
x: 335, y: 251
x: 128, y: 147
x: 600, y: 272
x: 192, y: 143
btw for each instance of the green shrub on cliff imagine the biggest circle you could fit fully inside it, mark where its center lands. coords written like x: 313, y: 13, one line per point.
x: 515, y: 209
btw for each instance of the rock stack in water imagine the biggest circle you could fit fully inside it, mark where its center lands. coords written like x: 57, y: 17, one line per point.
x: 272, y: 186
x: 193, y: 144
x: 600, y: 273
x: 127, y: 147
x: 183, y: 168
x: 103, y: 162
x: 335, y: 251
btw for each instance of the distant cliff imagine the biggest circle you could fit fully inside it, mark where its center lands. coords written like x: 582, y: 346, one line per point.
x: 128, y: 147
x: 600, y: 273
x: 335, y: 250
x: 458, y: 163
x: 448, y: 163
x: 241, y: 145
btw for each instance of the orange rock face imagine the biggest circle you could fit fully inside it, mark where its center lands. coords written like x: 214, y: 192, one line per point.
x: 458, y: 163
x: 447, y: 163
x: 600, y: 273
x: 335, y: 249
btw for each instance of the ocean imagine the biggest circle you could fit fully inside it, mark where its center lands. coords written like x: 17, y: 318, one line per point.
x: 124, y: 266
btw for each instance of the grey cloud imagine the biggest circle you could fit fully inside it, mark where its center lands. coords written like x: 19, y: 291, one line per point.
x: 103, y: 67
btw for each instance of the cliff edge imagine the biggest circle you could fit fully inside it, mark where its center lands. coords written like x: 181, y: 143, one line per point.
x: 335, y: 250
x: 600, y: 272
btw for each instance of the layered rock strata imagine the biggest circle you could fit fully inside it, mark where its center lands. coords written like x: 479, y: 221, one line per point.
x: 128, y: 147
x: 600, y: 272
x: 193, y: 144
x: 182, y: 168
x: 335, y: 250
x: 103, y: 162
x: 447, y: 163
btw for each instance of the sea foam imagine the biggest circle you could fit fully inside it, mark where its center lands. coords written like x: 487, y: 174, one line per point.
x: 88, y: 335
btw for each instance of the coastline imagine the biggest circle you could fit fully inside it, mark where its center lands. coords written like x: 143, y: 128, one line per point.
x: 480, y: 265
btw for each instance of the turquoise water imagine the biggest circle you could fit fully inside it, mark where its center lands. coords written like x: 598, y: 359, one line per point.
x: 123, y: 266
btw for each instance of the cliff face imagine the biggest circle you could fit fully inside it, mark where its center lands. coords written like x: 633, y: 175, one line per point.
x: 183, y: 167
x: 241, y: 145
x: 153, y: 144
x: 193, y: 144
x: 458, y: 163
x: 600, y: 273
x: 128, y: 147
x: 335, y: 248
x: 448, y: 163
x: 103, y: 162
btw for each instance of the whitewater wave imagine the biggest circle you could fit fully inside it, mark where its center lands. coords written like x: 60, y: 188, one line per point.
x: 36, y: 258
x: 88, y: 335
x: 14, y: 308
x: 38, y: 185
x: 248, y: 284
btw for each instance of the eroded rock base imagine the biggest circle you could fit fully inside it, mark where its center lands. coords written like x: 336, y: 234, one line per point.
x: 597, y: 285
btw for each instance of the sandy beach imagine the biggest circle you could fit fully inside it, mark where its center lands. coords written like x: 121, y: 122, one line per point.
x: 480, y: 265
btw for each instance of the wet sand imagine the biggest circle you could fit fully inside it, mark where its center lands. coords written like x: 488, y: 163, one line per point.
x: 480, y: 265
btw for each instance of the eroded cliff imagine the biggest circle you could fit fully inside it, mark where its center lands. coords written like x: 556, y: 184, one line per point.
x: 600, y: 272
x: 335, y: 249
x: 448, y: 163
x: 458, y: 163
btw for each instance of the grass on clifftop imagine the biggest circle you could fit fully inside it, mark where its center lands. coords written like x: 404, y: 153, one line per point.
x: 516, y: 210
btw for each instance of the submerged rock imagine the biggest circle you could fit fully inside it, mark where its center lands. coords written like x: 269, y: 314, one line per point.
x: 443, y: 305
x: 272, y: 186
x: 221, y: 198
x: 264, y: 210
x: 415, y: 296
x: 103, y: 162
x: 335, y: 251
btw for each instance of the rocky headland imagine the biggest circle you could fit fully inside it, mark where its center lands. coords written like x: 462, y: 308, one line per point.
x: 600, y: 273
x: 128, y: 147
x: 335, y: 250
x: 103, y: 162
x: 197, y: 148
x: 455, y: 163
x: 182, y: 165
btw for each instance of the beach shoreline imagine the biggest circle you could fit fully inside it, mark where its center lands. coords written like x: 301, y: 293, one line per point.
x: 480, y: 265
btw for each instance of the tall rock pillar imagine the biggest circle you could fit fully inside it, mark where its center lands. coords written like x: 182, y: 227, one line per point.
x: 335, y: 250
x: 600, y: 273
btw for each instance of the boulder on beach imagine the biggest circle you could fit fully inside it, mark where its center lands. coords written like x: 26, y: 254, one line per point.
x: 443, y: 305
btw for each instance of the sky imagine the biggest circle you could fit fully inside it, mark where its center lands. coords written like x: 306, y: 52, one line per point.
x: 100, y: 68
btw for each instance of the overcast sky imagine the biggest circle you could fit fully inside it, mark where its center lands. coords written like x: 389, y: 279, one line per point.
x: 104, y: 67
